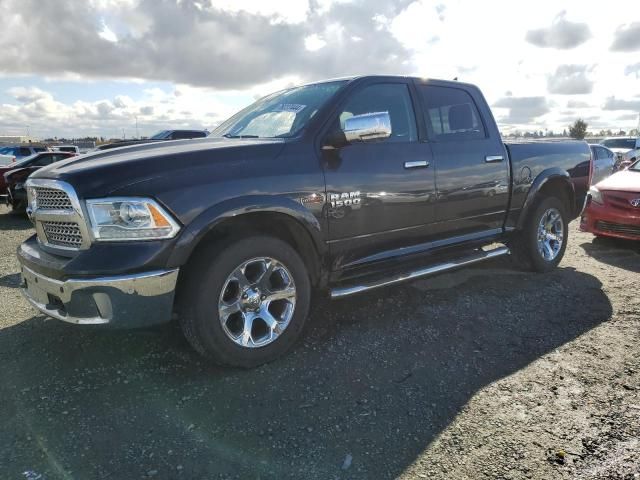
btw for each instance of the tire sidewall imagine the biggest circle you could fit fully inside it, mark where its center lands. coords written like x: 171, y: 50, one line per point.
x: 539, y: 263
x: 212, y: 278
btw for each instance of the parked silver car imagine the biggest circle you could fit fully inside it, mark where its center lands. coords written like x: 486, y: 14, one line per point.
x: 604, y: 162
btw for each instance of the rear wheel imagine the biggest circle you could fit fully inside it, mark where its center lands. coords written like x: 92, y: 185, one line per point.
x: 247, y: 303
x: 542, y: 242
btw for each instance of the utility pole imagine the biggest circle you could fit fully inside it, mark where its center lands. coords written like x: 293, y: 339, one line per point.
x: 137, y: 134
x: 124, y: 137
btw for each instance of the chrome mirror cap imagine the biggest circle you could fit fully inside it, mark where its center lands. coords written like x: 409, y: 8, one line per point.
x: 367, y: 127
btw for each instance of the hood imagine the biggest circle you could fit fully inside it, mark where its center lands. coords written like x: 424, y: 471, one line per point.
x: 625, y: 181
x: 105, y: 171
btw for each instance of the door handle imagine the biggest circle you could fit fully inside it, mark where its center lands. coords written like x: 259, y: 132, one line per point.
x: 493, y: 158
x: 416, y: 164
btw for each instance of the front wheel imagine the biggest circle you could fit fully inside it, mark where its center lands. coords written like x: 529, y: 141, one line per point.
x: 247, y: 303
x: 542, y: 242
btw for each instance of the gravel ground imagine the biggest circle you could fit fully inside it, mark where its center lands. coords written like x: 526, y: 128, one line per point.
x: 481, y: 373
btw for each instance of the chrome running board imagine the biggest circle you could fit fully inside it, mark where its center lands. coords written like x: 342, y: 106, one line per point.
x: 423, y: 272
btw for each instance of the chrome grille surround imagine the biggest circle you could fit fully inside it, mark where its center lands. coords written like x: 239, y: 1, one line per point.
x: 57, y: 214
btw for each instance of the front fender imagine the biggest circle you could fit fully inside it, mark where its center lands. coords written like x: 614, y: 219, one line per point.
x: 195, y: 231
x: 538, y: 183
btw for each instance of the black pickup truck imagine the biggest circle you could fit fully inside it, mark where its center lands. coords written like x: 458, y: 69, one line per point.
x: 337, y: 187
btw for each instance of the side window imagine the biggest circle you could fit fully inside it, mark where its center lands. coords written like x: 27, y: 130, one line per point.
x: 42, y: 160
x: 24, y: 152
x: 393, y: 98
x: 602, y: 154
x: 451, y: 114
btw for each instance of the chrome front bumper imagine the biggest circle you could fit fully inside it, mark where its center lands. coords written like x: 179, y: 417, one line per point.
x: 127, y: 301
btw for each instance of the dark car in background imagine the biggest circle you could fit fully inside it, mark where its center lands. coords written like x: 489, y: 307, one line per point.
x: 12, y: 178
x: 161, y: 136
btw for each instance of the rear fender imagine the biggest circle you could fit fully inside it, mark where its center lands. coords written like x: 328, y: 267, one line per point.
x: 550, y: 174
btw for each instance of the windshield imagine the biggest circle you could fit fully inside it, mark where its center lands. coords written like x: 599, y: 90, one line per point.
x: 160, y: 135
x: 281, y: 114
x: 629, y: 143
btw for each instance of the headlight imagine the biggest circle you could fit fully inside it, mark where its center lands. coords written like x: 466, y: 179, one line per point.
x: 596, y: 196
x: 114, y: 219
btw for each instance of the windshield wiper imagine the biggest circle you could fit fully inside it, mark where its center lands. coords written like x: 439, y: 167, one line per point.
x: 228, y: 135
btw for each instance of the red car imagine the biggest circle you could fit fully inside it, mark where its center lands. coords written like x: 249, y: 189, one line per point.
x: 613, y: 206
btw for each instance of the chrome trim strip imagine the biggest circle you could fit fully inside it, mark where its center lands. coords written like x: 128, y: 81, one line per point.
x: 423, y: 272
x: 493, y: 158
x: 416, y: 164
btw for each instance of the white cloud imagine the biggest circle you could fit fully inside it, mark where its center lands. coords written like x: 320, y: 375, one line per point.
x: 107, y: 34
x: 314, y: 42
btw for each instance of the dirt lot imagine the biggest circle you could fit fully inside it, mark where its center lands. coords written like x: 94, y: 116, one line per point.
x: 482, y: 373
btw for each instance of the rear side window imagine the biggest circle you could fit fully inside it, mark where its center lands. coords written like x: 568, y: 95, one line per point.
x: 42, y: 160
x: 24, y: 152
x: 451, y: 114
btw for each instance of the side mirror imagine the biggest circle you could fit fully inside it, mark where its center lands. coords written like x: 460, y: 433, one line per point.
x: 367, y: 127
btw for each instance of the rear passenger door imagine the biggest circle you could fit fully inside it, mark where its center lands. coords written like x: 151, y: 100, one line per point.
x: 472, y: 168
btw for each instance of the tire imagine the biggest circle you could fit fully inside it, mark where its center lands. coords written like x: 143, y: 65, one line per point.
x: 525, y: 247
x: 224, y: 338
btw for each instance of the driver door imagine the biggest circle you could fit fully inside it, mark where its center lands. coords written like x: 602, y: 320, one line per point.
x: 380, y: 193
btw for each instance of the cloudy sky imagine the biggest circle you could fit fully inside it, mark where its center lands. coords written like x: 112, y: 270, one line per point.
x: 91, y: 67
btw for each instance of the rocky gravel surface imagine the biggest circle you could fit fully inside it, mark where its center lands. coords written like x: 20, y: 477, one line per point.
x: 484, y: 373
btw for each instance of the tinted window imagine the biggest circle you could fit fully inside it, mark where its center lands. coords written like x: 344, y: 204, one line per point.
x: 393, y: 98
x: 451, y: 114
x: 39, y: 149
x: 182, y: 135
x: 629, y: 143
x: 24, y: 152
x: 42, y: 160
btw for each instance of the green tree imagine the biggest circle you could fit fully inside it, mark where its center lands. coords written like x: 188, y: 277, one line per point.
x: 578, y: 130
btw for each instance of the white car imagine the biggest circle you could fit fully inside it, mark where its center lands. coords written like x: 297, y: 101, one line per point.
x: 627, y: 149
x: 67, y: 148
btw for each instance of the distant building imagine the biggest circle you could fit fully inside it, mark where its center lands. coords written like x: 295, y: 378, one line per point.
x: 17, y: 139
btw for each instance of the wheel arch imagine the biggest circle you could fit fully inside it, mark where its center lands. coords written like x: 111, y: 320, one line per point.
x: 283, y: 218
x: 551, y: 182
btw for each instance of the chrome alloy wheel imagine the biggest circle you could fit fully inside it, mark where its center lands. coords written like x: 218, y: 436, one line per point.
x: 257, y: 302
x: 550, y: 234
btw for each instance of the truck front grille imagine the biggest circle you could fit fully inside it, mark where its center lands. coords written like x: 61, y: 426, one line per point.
x: 55, y: 210
x: 51, y: 199
x: 63, y: 234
